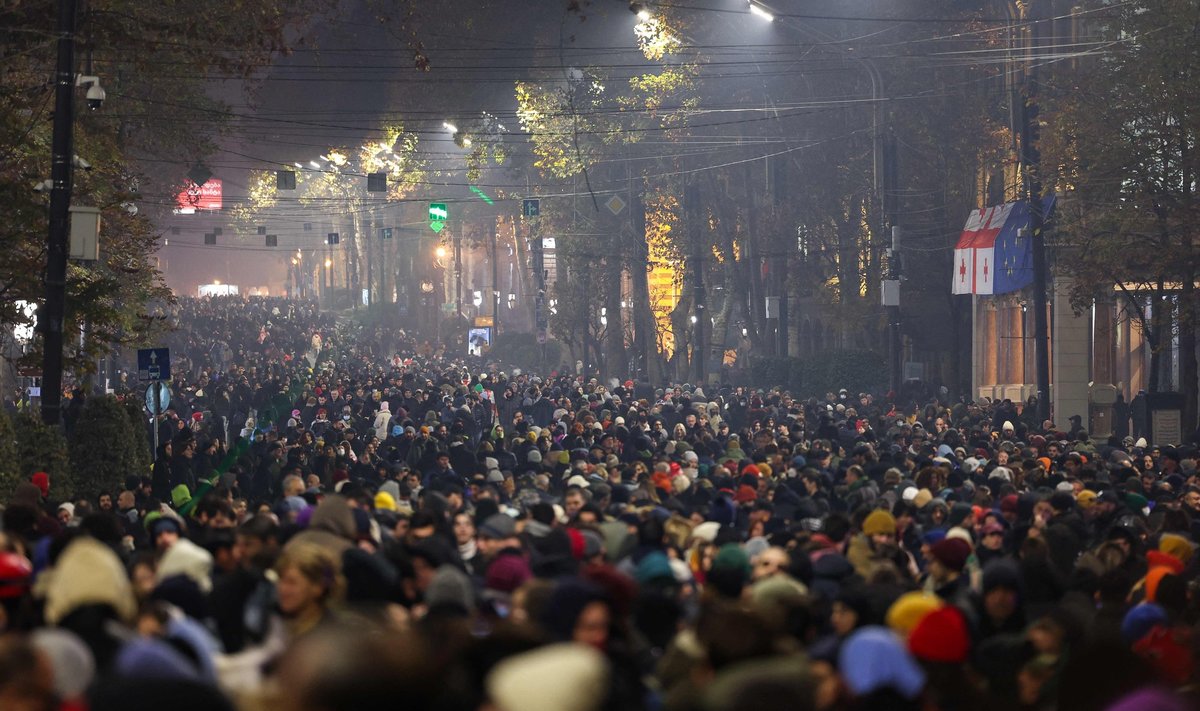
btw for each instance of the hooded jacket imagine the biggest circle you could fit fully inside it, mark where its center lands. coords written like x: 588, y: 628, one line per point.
x: 332, y: 527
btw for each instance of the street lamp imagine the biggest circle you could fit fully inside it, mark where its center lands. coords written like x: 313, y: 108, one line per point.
x: 449, y: 127
x: 759, y: 11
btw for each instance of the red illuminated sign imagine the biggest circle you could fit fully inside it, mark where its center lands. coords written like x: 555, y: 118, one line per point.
x: 199, y: 197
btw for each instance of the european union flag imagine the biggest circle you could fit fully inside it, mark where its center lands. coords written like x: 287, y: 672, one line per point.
x: 1013, y: 258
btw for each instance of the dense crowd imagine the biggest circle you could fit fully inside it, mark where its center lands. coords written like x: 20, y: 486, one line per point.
x: 344, y: 518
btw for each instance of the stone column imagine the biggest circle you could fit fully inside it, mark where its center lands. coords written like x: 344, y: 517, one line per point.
x: 1104, y: 343
x: 1069, y: 367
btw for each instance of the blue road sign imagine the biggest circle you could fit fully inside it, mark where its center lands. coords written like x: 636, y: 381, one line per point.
x: 154, y: 364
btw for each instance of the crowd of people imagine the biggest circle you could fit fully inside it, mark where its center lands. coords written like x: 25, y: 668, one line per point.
x: 339, y: 518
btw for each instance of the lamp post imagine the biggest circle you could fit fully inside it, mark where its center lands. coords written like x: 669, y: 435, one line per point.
x: 53, y: 311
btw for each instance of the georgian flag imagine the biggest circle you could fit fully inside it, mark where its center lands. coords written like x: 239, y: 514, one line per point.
x: 991, y: 257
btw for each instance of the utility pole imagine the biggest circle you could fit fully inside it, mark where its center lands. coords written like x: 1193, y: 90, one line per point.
x: 896, y: 344
x: 51, y: 316
x: 458, y: 274
x: 887, y: 195
x: 495, y: 284
x: 1030, y: 157
x: 699, y: 313
x: 537, y: 259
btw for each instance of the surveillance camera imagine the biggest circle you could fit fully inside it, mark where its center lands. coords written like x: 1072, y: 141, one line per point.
x: 130, y: 207
x: 43, y: 186
x: 81, y: 163
x: 95, y: 96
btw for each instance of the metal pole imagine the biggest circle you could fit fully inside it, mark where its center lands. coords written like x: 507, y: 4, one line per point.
x: 1033, y: 192
x: 893, y: 312
x: 52, y: 313
x: 699, y: 313
x: 458, y: 275
x: 495, y: 286
x: 154, y: 410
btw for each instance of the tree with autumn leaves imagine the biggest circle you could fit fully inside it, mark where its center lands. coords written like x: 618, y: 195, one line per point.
x: 1120, y: 142
x: 153, y: 61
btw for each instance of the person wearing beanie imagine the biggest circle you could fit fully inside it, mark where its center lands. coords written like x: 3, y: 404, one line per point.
x: 730, y: 571
x: 557, y: 677
x: 908, y: 609
x: 450, y: 592
x: 941, y: 636
x: 998, y: 608
x: 384, y: 501
x: 947, y: 558
x: 876, y: 547
x: 879, y: 672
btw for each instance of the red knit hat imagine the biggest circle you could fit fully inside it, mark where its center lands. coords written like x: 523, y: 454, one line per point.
x: 941, y: 636
x: 745, y: 494
x: 951, y: 552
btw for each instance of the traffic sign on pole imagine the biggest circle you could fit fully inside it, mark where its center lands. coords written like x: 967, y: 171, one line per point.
x: 438, y: 212
x: 531, y: 207
x: 154, y: 364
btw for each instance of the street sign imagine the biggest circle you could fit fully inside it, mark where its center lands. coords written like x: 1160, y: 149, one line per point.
x: 377, y: 182
x: 531, y: 207
x: 154, y: 364
x: 333, y: 238
x: 386, y: 233
x: 164, y: 397
x: 438, y: 212
x: 541, y: 336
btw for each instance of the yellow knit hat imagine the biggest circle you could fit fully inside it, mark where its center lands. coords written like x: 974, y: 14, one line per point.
x: 909, y: 609
x: 1176, y: 545
x: 879, y: 521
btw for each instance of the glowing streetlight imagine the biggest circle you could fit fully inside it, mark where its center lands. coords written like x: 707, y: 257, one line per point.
x: 440, y: 252
x: 328, y: 263
x: 315, y: 165
x: 761, y: 12
x: 449, y: 127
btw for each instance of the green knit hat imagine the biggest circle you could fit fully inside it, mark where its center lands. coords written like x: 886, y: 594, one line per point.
x: 180, y: 495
